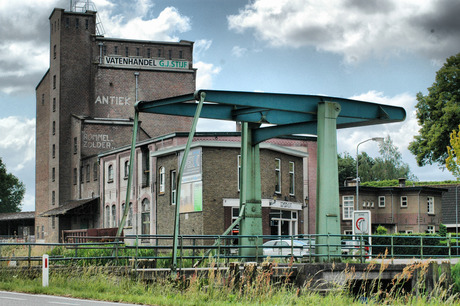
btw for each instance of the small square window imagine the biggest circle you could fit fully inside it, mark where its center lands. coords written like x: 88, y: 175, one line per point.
x: 382, y: 201
x: 403, y: 201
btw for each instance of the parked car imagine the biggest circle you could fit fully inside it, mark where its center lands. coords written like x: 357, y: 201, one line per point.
x: 282, y: 247
x: 353, y: 248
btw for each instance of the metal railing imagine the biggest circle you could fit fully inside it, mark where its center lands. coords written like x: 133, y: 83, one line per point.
x: 155, y: 250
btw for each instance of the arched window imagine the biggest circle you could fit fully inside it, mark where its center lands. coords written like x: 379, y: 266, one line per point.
x: 130, y: 215
x: 145, y: 217
x: 126, y: 168
x: 114, y: 216
x: 107, y: 216
x: 110, y: 174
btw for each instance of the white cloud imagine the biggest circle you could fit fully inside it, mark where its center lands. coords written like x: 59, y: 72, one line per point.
x: 356, y: 29
x: 200, y: 47
x: 205, y: 73
x: 17, y: 144
x: 238, y: 51
x: 164, y: 27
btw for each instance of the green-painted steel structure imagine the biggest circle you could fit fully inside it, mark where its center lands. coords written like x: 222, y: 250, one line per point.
x: 282, y: 114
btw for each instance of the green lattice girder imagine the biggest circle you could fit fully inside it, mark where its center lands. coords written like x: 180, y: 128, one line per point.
x: 285, y: 114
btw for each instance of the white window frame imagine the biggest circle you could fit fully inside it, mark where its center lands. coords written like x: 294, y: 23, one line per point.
x: 278, y: 175
x: 430, y: 205
x: 110, y: 174
x: 173, y: 187
x: 126, y: 168
x: 431, y: 229
x: 162, y: 180
x: 291, y: 178
x: 403, y: 201
x: 348, y: 203
x: 381, y: 201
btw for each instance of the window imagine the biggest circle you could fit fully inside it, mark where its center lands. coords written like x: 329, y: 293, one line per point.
x: 431, y: 229
x: 173, y: 187
x: 138, y: 52
x: 130, y: 214
x: 382, y: 201
x: 53, y: 174
x: 148, y: 52
x: 347, y: 207
x: 169, y: 54
x: 75, y: 176
x: 54, y: 151
x: 126, y: 168
x: 115, y: 50
x: 54, y: 51
x: 54, y: 81
x: 145, y: 167
x: 95, y: 166
x: 114, y: 216
x: 82, y: 180
x: 43, y: 232
x: 67, y: 22
x: 291, y: 178
x: 430, y: 205
x: 159, y: 52
x: 104, y: 50
x: 53, y: 197
x: 75, y: 145
x: 54, y: 105
x: 110, y: 174
x: 38, y: 231
x: 162, y: 179
x: 107, y: 216
x: 86, y: 24
x: 77, y: 23
x: 181, y: 54
x: 126, y: 51
x: 403, y: 201
x: 145, y: 217
x: 43, y: 99
x: 277, y: 175
x: 283, y: 222
x: 88, y: 173
x: 53, y: 222
x: 54, y: 127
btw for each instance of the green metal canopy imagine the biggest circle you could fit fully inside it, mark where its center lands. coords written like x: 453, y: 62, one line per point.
x: 281, y: 114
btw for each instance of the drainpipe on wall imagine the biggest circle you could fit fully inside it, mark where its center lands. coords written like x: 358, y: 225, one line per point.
x: 418, y: 217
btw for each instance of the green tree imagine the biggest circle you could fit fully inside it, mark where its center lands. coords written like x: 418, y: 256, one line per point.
x: 347, y: 167
x: 438, y: 114
x: 453, y: 151
x: 390, y: 165
x: 365, y: 168
x: 11, y: 191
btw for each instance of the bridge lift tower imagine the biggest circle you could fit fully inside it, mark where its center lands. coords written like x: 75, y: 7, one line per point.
x: 281, y: 114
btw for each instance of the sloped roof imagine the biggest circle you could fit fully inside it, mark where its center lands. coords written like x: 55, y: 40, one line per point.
x: 63, y: 209
x: 17, y: 216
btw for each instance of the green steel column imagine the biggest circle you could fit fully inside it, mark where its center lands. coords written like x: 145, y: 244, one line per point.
x: 250, y: 194
x: 327, y: 208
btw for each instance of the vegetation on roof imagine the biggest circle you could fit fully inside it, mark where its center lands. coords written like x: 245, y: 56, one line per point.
x: 395, y: 183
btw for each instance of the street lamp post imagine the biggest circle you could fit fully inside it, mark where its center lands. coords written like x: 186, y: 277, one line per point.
x: 379, y: 140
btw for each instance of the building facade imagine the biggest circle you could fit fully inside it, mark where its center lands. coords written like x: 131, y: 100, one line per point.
x: 402, y: 209
x: 85, y: 104
x: 210, y: 185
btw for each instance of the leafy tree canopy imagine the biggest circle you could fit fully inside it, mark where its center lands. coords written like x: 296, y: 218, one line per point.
x: 453, y: 158
x: 387, y: 166
x: 11, y: 191
x: 438, y: 114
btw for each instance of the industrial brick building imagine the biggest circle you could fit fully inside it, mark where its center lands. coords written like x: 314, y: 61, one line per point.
x: 210, y: 185
x: 85, y: 106
x: 402, y: 209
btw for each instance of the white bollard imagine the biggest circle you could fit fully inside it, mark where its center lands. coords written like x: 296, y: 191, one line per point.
x: 45, y: 270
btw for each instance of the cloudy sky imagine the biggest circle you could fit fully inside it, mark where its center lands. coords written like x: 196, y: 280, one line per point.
x: 382, y: 51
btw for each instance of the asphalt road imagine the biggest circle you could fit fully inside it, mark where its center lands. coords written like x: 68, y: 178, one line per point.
x: 25, y: 299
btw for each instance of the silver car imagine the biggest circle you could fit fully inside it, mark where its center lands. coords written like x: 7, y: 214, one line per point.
x: 283, y: 247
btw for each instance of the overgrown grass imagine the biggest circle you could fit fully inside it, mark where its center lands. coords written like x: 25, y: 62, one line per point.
x: 255, y: 288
